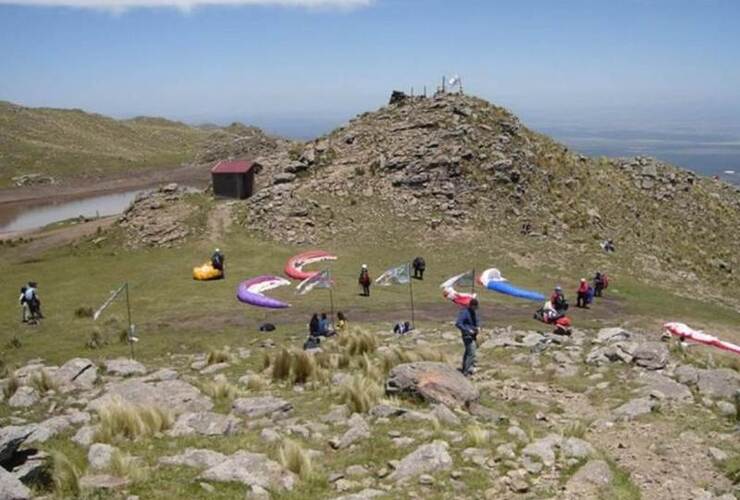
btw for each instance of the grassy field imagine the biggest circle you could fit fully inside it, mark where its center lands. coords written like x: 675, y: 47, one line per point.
x: 63, y: 143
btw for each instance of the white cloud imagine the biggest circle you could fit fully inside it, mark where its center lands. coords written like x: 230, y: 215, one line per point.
x: 120, y: 5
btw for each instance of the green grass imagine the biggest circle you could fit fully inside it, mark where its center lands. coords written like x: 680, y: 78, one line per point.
x: 621, y: 487
x: 62, y: 143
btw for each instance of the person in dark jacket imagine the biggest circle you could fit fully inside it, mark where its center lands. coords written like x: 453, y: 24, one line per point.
x: 558, y: 300
x: 364, y: 281
x: 598, y: 284
x: 468, y: 324
x: 582, y: 293
x: 313, y: 326
x: 419, y: 267
x: 217, y: 261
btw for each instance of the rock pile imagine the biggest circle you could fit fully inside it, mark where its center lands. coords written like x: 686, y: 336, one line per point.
x: 158, y: 218
x: 238, y: 141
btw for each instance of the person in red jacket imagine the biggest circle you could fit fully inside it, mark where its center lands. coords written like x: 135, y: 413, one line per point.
x: 582, y: 300
x: 364, y: 281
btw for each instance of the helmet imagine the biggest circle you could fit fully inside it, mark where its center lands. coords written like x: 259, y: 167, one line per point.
x: 583, y: 280
x: 364, y: 266
x: 218, y: 250
x: 558, y: 288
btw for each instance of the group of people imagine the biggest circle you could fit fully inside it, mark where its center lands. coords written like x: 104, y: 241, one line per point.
x: 419, y: 265
x: 30, y: 303
x: 553, y: 312
x: 320, y: 326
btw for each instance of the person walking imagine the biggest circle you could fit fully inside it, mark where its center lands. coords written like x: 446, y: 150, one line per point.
x: 364, y: 281
x: 32, y: 299
x: 468, y: 324
x: 419, y: 267
x: 582, y: 294
x: 599, y: 283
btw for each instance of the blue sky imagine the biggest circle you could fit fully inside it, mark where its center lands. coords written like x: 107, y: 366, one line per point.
x: 660, y: 64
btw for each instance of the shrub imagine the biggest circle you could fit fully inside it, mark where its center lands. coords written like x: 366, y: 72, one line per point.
x: 266, y: 361
x: 125, y: 420
x: 477, y: 436
x: 294, y: 458
x: 359, y: 343
x: 256, y: 383
x: 96, y: 340
x: 84, y: 312
x: 11, y: 386
x: 369, y: 368
x: 361, y: 393
x: 222, y: 389
x: 43, y: 382
x: 216, y: 356
x: 281, y: 365
x: 65, y: 475
x: 14, y: 343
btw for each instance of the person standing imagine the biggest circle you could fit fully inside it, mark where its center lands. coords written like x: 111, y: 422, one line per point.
x: 32, y: 299
x: 364, y: 281
x: 419, y: 267
x: 582, y: 294
x: 25, y: 308
x: 468, y: 324
x: 217, y: 261
x: 598, y: 284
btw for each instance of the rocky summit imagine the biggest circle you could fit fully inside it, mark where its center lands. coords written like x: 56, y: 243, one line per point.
x: 457, y: 164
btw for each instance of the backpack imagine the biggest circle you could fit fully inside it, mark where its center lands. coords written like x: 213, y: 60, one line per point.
x: 267, y: 327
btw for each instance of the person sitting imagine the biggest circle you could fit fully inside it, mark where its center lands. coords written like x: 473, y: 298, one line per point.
x: 582, y: 292
x: 419, y: 267
x: 325, y: 327
x: 313, y: 326
x: 342, y: 324
x: 558, y: 300
x: 217, y: 261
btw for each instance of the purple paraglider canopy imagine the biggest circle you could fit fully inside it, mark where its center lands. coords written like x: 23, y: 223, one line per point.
x: 251, y: 291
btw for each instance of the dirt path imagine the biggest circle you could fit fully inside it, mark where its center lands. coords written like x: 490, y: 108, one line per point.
x: 219, y: 221
x: 40, y: 241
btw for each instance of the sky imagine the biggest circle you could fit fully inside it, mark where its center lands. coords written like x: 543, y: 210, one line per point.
x: 301, y: 67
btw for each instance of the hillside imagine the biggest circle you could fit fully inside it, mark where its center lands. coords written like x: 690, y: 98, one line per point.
x: 61, y: 143
x: 459, y: 168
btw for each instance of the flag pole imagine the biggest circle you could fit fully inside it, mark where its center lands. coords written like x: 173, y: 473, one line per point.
x: 130, y: 326
x: 411, y: 295
x: 331, y: 301
x: 473, y: 286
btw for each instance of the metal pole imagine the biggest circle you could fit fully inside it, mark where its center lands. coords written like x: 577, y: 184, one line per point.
x: 130, y: 330
x: 473, y: 290
x: 331, y: 302
x: 411, y: 295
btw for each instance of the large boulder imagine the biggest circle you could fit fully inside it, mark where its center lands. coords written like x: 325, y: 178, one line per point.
x: 651, y: 355
x: 99, y: 456
x: 635, y: 408
x: 24, y: 397
x: 174, y: 395
x: 358, y: 430
x: 433, y: 382
x: 262, y: 406
x: 669, y: 388
x: 124, y: 367
x: 590, y: 481
x: 198, y: 458
x: 720, y: 383
x: 251, y: 469
x: 426, y: 459
x: 77, y: 373
x: 205, y: 423
x: 11, y: 488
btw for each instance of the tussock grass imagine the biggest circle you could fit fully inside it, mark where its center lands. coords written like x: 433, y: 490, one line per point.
x: 65, y: 475
x: 399, y: 356
x: 221, y: 388
x: 731, y: 468
x: 359, y: 343
x: 477, y: 436
x: 257, y: 383
x: 294, y: 458
x: 119, y: 419
x: 42, y: 382
x: 281, y: 365
x: 369, y: 368
x: 11, y: 386
x: 361, y: 393
x: 575, y: 429
x: 266, y: 361
x: 303, y: 367
x: 126, y: 466
x: 216, y: 356
x: 84, y: 312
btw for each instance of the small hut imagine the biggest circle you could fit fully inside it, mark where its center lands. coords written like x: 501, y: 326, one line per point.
x: 234, y: 178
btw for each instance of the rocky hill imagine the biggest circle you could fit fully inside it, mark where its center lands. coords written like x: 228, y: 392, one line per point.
x: 458, y: 166
x: 61, y: 142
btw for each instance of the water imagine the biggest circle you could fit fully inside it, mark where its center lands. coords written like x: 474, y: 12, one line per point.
x: 36, y: 216
x: 709, y: 154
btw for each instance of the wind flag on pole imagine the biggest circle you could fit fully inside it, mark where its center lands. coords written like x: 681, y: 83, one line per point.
x: 399, y: 275
x: 321, y: 279
x: 463, y: 280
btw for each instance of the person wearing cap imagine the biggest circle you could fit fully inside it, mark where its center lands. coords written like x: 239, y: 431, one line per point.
x: 582, y: 292
x: 558, y: 300
x: 217, y: 261
x: 468, y: 324
x: 364, y: 281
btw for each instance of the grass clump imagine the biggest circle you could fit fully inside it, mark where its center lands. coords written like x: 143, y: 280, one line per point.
x: 398, y: 356
x: 359, y: 343
x: 731, y: 468
x: 361, y: 393
x: 84, y: 312
x: 11, y: 386
x: 281, y: 365
x: 42, y: 382
x: 477, y: 436
x: 65, y: 475
x: 294, y: 458
x: 119, y: 419
x: 126, y: 466
x: 216, y: 356
x: 303, y: 366
x: 222, y: 389
x: 256, y: 383
x: 575, y: 429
